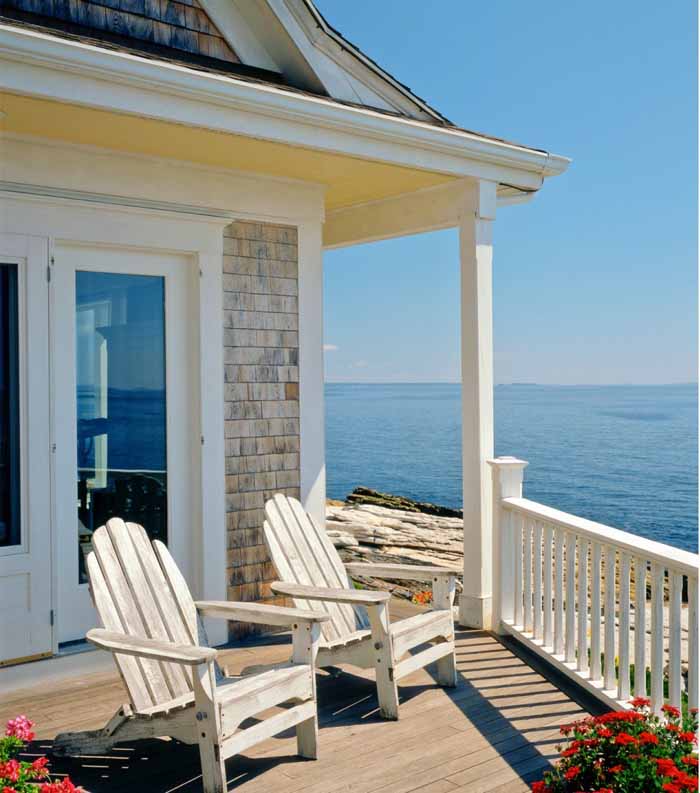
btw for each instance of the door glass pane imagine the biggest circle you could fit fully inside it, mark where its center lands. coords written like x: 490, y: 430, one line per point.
x: 120, y: 367
x: 10, y: 533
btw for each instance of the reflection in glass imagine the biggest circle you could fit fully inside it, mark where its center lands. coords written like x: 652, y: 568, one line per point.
x: 10, y: 532
x: 120, y: 367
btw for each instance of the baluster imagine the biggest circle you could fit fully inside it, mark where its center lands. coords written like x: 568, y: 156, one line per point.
x: 693, y: 660
x: 657, y: 637
x: 674, y: 639
x: 547, y: 640
x: 570, y: 653
x: 518, y: 591
x: 609, y: 639
x: 559, y: 592
x: 640, y: 622
x: 527, y: 558
x: 538, y: 580
x: 582, y: 642
x: 623, y: 674
x: 596, y: 552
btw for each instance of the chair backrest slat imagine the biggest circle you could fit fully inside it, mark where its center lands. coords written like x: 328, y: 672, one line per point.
x: 144, y: 599
x: 138, y: 590
x: 125, y: 604
x: 302, y: 554
x: 128, y: 666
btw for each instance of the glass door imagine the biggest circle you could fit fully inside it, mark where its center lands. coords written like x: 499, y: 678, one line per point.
x: 25, y: 481
x: 126, y: 448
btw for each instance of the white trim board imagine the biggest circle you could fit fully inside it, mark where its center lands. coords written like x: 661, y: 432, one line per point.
x: 46, y: 66
x: 39, y: 166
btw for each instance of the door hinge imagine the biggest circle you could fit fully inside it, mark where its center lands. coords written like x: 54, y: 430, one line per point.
x: 51, y: 617
x: 53, y: 448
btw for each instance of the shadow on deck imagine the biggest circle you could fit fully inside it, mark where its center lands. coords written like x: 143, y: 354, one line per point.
x: 496, y: 731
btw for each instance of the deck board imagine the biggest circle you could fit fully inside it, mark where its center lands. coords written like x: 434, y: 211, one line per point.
x: 495, y: 732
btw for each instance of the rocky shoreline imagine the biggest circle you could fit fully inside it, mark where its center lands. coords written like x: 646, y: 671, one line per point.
x: 366, y: 529
x: 378, y: 527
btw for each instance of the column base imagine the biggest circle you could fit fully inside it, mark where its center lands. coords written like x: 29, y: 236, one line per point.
x: 475, y: 612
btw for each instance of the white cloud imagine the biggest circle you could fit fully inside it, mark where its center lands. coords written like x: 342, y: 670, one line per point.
x: 329, y: 347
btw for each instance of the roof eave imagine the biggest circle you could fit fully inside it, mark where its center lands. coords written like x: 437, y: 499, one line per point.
x: 75, y: 72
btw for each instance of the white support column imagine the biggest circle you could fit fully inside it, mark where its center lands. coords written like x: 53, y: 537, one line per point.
x: 311, y: 395
x: 475, y: 243
x: 507, y: 474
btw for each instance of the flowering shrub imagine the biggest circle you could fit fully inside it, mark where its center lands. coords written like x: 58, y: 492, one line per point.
x: 423, y: 598
x: 632, y: 751
x: 18, y: 776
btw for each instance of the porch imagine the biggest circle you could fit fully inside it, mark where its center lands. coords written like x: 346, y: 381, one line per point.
x: 496, y: 731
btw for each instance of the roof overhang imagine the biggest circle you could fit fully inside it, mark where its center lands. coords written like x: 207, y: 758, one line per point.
x: 43, y: 66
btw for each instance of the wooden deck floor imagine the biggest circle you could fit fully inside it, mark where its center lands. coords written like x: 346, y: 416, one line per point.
x: 494, y: 732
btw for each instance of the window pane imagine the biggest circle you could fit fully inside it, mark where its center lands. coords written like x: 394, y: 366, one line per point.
x: 120, y: 365
x: 10, y: 531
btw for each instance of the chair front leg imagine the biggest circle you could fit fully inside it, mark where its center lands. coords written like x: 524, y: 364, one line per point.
x: 305, y: 641
x: 382, y: 647
x: 443, y: 598
x: 208, y: 728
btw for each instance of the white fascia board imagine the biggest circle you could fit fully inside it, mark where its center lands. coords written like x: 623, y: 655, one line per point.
x: 41, y: 65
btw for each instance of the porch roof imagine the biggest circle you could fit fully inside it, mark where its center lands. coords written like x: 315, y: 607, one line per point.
x: 78, y: 91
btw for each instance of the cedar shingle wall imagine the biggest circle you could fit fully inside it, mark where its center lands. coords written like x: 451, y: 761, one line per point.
x: 181, y: 25
x: 261, y: 394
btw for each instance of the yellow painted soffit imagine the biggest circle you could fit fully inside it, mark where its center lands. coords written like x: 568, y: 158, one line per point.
x: 349, y: 180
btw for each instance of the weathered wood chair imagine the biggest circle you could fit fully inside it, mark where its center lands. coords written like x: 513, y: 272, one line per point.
x: 175, y: 688
x: 359, y: 631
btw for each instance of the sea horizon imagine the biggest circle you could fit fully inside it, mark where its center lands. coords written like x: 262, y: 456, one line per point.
x: 622, y: 455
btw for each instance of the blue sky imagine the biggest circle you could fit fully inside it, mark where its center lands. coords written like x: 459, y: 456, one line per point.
x: 595, y: 281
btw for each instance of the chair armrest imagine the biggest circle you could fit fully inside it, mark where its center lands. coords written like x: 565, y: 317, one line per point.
x: 409, y: 572
x: 187, y: 655
x: 355, y: 597
x: 259, y: 613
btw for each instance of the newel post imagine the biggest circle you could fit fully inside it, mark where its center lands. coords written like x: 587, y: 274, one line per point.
x: 507, y: 476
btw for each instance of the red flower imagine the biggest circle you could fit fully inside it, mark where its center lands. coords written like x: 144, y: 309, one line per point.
x: 625, y: 739
x: 640, y: 702
x: 570, y: 752
x: 10, y: 770
x: 573, y: 772
x: 8, y: 789
x: 39, y: 766
x: 20, y: 727
x: 671, y: 710
x: 615, y: 769
x: 665, y: 766
x: 539, y: 787
x: 604, y: 732
x: 648, y: 737
x: 669, y: 787
x: 673, y: 728
x: 690, y: 759
x: 690, y: 737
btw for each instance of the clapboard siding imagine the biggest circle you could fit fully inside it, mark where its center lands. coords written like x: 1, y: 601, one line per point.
x: 261, y: 395
x: 181, y: 25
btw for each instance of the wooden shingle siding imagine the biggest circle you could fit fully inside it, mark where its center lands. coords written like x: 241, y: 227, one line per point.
x: 261, y: 394
x: 181, y: 25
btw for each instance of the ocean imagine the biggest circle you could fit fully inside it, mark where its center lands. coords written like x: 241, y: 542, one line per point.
x: 626, y: 456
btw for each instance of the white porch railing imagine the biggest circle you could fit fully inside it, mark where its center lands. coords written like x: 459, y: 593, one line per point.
x: 576, y: 592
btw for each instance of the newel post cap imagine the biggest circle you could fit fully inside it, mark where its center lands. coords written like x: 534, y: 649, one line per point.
x: 508, y: 462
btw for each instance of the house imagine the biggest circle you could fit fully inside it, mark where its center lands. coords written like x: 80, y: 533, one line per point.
x: 171, y: 175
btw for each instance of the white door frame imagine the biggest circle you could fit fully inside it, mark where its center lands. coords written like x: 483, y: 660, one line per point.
x: 75, y: 614
x: 169, y: 231
x: 32, y: 557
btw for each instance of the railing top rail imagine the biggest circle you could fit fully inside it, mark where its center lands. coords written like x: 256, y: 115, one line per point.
x: 674, y: 558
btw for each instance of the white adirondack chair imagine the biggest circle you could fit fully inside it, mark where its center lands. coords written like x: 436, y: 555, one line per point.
x: 359, y: 631
x: 152, y: 626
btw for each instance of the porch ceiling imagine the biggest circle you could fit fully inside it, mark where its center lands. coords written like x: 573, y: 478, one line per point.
x: 348, y: 180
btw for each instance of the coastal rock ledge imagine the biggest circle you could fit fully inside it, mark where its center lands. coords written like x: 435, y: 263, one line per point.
x: 369, y: 533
